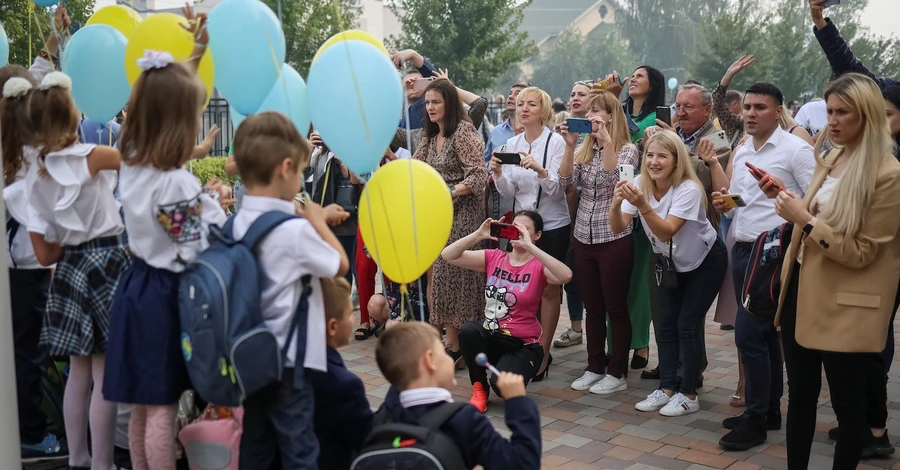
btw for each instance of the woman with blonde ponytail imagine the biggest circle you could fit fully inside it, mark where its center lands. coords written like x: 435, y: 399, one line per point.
x: 839, y: 275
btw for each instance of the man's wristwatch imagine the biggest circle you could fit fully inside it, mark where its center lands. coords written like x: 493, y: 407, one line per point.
x: 452, y: 188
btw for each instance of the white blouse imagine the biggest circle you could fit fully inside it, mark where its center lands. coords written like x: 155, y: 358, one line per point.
x: 167, y: 215
x: 68, y: 205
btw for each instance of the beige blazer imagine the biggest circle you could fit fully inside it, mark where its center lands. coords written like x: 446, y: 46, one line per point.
x: 847, y: 284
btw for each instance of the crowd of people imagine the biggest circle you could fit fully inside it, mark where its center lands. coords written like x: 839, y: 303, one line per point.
x: 646, y: 217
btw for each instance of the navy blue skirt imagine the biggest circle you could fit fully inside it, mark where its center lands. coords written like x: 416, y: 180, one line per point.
x: 144, y: 363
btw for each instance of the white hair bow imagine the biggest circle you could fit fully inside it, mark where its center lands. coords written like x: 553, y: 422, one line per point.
x: 155, y: 60
x: 56, y: 79
x: 16, y: 87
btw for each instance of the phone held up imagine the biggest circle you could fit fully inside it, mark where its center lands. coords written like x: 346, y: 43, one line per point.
x: 508, y: 158
x: 664, y: 114
x: 507, y: 231
x: 719, y: 140
x: 580, y: 126
x: 732, y: 200
x: 626, y: 173
x: 422, y: 83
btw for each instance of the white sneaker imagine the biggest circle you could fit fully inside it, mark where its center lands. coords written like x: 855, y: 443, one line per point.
x: 586, y: 381
x: 609, y: 385
x: 680, y: 405
x: 568, y: 338
x: 654, y: 402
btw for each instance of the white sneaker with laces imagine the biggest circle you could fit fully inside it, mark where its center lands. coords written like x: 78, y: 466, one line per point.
x: 654, y: 402
x: 568, y: 338
x: 586, y: 381
x: 680, y: 405
x: 609, y: 385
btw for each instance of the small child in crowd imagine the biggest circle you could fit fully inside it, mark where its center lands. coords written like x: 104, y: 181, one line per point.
x: 271, y: 155
x: 412, y: 358
x: 343, y: 414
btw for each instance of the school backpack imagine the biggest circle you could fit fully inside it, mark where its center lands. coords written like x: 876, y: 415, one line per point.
x: 229, y: 352
x: 422, y: 446
x: 762, y: 279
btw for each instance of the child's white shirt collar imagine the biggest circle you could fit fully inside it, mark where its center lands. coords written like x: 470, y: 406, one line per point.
x: 424, y: 396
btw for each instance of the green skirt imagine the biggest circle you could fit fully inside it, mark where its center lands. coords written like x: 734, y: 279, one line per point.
x: 639, y: 293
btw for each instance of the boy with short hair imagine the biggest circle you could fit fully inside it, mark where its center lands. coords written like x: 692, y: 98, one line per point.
x: 343, y: 416
x: 412, y: 358
x: 271, y: 155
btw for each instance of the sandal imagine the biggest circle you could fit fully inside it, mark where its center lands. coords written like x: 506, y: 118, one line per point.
x: 737, y: 401
x: 362, y: 333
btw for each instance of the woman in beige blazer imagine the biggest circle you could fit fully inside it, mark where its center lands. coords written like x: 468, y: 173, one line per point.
x: 840, y: 275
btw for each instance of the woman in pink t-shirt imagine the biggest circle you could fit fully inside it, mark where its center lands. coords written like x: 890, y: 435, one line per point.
x: 510, y: 332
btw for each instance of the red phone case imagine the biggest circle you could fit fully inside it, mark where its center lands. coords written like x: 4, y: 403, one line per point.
x: 507, y: 231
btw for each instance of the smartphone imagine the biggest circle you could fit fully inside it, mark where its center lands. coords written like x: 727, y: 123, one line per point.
x: 719, y: 140
x: 422, y: 83
x: 756, y: 172
x: 507, y: 231
x: 831, y: 3
x: 508, y: 158
x: 732, y: 200
x: 580, y: 126
x: 664, y: 114
x: 626, y: 173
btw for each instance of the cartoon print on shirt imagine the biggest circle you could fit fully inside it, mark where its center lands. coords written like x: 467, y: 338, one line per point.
x: 497, y: 306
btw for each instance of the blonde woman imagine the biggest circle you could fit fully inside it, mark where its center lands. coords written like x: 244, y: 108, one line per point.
x: 672, y: 206
x: 534, y: 185
x: 603, y: 259
x: 839, y: 275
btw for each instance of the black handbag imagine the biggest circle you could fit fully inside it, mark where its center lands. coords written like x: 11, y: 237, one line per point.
x: 664, y: 270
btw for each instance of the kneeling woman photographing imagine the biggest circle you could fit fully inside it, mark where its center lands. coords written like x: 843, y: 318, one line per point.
x: 690, y: 263
x: 510, y: 334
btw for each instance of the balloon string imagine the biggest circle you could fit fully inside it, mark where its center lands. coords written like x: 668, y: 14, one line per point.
x: 413, y: 199
x: 30, y: 39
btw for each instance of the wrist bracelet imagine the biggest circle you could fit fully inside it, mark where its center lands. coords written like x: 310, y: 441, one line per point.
x: 647, y: 211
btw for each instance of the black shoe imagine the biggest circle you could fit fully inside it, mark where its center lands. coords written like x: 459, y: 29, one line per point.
x: 877, y: 446
x: 458, y: 361
x: 543, y: 375
x: 638, y: 362
x: 773, y: 421
x: 834, y: 434
x: 745, y: 435
x: 652, y: 374
x: 726, y: 327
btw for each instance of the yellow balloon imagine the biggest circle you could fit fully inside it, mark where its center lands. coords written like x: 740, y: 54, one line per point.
x: 120, y: 17
x: 163, y: 32
x: 403, y: 243
x: 351, y: 35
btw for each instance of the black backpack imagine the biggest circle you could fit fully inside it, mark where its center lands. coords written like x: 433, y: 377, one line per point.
x: 762, y: 279
x: 422, y: 446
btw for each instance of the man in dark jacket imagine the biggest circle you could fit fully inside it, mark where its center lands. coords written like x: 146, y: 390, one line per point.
x: 416, y: 98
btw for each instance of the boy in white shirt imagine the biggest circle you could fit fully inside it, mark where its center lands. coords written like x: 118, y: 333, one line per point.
x: 271, y: 156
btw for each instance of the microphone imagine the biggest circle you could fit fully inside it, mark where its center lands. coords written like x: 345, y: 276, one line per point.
x: 482, y: 360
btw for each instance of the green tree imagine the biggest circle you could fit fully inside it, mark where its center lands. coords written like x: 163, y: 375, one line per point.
x: 476, y: 40
x: 571, y: 58
x: 27, y: 24
x: 308, y: 24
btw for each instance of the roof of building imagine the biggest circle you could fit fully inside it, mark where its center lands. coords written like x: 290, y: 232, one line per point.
x: 545, y: 18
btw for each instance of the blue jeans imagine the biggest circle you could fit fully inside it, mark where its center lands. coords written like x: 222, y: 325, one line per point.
x: 757, y: 340
x: 683, y: 315
x: 724, y: 226
x: 573, y: 296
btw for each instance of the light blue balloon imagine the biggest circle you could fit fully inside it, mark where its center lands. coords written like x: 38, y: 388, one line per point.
x: 95, y: 60
x: 355, y: 100
x: 45, y: 3
x: 4, y: 47
x: 289, y: 97
x: 673, y: 82
x: 236, y: 118
x: 247, y: 46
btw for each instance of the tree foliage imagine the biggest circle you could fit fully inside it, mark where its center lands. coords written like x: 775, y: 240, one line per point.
x: 476, y: 40
x: 572, y: 57
x: 308, y: 24
x: 27, y: 24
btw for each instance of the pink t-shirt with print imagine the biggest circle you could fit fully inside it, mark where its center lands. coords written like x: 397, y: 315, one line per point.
x: 513, y: 296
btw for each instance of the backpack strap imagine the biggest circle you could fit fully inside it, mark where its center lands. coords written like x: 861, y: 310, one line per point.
x: 259, y: 228
x: 436, y: 418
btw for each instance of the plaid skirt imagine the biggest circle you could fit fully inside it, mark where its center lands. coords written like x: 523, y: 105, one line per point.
x: 76, y: 321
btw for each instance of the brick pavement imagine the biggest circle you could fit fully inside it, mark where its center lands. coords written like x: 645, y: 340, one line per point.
x: 586, y: 431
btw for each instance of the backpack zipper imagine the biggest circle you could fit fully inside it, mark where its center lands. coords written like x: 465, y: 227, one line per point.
x: 374, y: 453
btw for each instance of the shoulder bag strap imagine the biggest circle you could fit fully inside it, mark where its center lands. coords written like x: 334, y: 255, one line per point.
x: 543, y: 165
x: 261, y: 227
x: 436, y: 418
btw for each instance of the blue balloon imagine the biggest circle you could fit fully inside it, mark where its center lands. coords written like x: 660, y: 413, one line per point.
x: 95, y: 60
x: 247, y: 46
x: 289, y: 97
x: 236, y: 118
x: 673, y: 82
x: 4, y: 47
x: 45, y: 3
x: 355, y: 100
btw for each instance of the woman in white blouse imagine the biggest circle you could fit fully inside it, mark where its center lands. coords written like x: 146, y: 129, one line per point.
x: 672, y: 207
x: 534, y: 185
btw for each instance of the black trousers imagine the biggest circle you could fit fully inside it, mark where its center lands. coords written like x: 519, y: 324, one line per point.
x: 506, y: 353
x: 28, y: 289
x: 853, y: 382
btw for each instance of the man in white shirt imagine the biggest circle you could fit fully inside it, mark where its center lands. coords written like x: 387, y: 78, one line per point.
x: 813, y: 116
x: 789, y: 163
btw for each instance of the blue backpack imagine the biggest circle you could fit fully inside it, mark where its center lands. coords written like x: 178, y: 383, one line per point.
x: 229, y: 352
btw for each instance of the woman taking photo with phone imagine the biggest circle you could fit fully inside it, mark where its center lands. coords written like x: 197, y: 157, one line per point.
x: 510, y: 333
x: 844, y: 243
x: 603, y: 259
x: 452, y: 146
x: 690, y: 262
x: 534, y: 185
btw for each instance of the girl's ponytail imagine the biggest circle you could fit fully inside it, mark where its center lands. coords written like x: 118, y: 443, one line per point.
x: 17, y: 90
